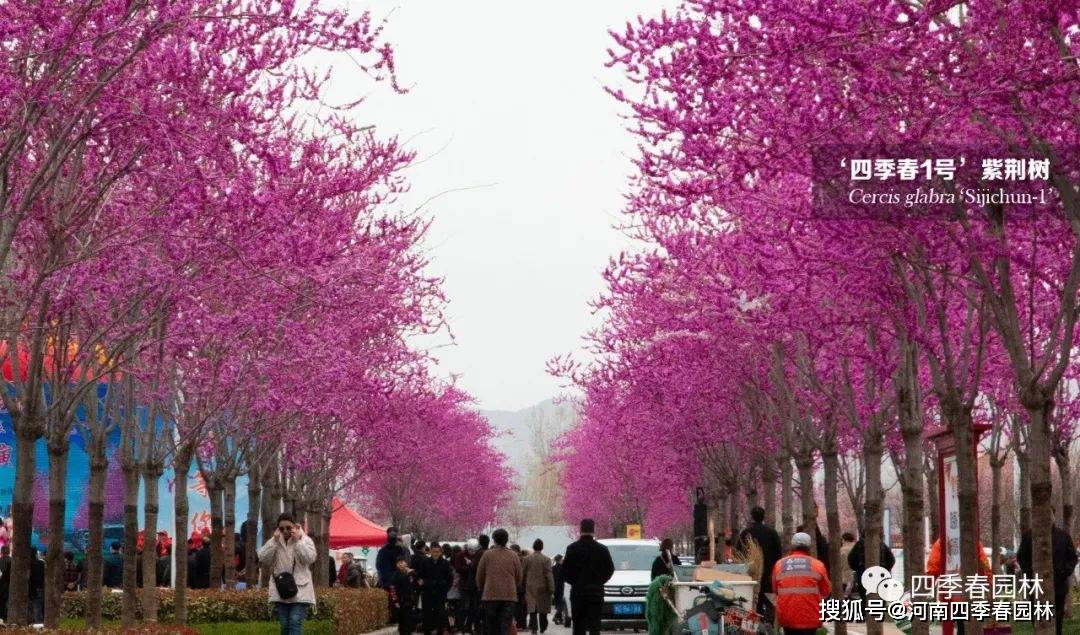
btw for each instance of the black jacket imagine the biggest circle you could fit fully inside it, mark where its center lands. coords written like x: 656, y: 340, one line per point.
x: 822, y: 547
x: 771, y: 549
x: 5, y: 576
x: 660, y: 567
x: 113, y: 571
x: 437, y: 576
x: 587, y: 567
x: 163, y: 571
x: 1064, y: 553
x: 856, y: 559
x: 560, y: 583
x: 404, y: 588
x: 37, y: 577
x: 386, y: 561
x: 201, y: 569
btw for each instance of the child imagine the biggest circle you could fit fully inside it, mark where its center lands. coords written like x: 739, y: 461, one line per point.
x: 403, y: 585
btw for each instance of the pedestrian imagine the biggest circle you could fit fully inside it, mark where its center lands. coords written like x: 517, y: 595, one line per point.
x: 72, y: 572
x: 343, y: 570
x: 665, y: 562
x: 290, y: 554
x: 587, y: 567
x: 560, y: 588
x: 202, y: 564
x: 498, y: 576
x: 539, y: 582
x: 476, y: 615
x: 800, y: 581
x: 856, y: 560
x: 771, y: 549
x: 36, y: 596
x: 417, y: 562
x: 435, y: 581
x: 402, y: 591
x: 163, y: 567
x: 821, y: 542
x: 5, y: 580
x: 520, y: 613
x: 847, y: 577
x: 1063, y: 552
x: 387, y: 557
x: 113, y: 567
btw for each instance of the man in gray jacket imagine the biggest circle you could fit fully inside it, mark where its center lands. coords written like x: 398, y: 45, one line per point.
x: 290, y: 551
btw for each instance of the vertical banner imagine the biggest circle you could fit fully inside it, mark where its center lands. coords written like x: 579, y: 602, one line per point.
x: 886, y: 527
x: 952, y: 515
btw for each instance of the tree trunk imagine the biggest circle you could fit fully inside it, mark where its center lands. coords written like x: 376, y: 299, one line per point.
x: 130, y: 606
x: 322, y: 553
x: 1023, y: 465
x: 1061, y: 458
x: 1039, y: 440
x: 832, y: 519
x: 95, y: 544
x: 181, y: 467
x: 22, y: 520
x: 768, y: 484
x: 216, y: 492
x: 54, y: 555
x: 787, y: 500
x: 995, y: 513
x: 805, y: 463
x: 151, y: 476
x: 251, y: 531
x: 733, y: 512
x: 271, y: 507
x: 913, y: 486
x: 872, y: 534
x: 959, y: 420
x: 229, y: 546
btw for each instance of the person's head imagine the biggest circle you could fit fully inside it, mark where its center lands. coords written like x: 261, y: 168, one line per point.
x: 436, y: 551
x: 588, y: 526
x: 286, y: 524
x: 667, y: 545
x: 800, y: 528
x: 557, y: 559
x: 115, y: 546
x: 419, y: 546
x: 33, y: 552
x: 402, y: 564
x: 5, y: 551
x: 538, y: 545
x: 446, y: 548
x: 484, y: 541
x: 801, y: 542
x: 70, y: 557
x: 513, y: 547
x: 391, y: 535
x: 848, y: 536
x: 500, y: 536
x: 346, y: 558
x: 455, y: 550
x: 758, y: 514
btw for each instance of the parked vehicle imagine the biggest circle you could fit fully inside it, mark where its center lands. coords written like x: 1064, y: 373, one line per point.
x: 624, y: 594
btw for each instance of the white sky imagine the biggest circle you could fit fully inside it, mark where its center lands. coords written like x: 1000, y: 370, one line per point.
x: 506, y: 98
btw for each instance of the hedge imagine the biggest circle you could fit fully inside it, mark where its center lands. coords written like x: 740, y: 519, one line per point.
x: 353, y: 611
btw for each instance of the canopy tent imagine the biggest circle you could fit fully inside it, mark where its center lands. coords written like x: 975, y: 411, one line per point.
x: 350, y: 529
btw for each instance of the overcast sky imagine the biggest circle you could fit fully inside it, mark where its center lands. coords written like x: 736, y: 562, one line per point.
x: 505, y: 99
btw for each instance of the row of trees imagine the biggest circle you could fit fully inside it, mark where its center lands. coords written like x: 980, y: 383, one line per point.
x: 201, y: 255
x: 751, y: 343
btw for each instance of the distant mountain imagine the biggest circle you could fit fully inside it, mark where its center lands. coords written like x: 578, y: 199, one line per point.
x: 525, y: 437
x: 523, y: 434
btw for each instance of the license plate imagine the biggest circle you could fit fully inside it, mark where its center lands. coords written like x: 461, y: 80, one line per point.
x: 634, y: 608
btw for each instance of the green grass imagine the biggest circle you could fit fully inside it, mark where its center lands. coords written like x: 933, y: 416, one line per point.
x: 311, y: 627
x: 321, y: 627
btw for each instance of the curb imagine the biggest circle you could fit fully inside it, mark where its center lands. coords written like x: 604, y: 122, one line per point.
x: 386, y: 630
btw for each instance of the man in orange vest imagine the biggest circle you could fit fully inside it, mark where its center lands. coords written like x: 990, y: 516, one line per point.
x: 800, y: 583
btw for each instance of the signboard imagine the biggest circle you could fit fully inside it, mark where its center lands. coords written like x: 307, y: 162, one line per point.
x: 952, y: 514
x: 633, y: 532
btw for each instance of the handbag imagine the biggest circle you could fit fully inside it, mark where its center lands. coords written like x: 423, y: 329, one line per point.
x: 285, y: 583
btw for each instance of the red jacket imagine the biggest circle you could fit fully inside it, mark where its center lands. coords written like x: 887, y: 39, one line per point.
x: 800, y: 582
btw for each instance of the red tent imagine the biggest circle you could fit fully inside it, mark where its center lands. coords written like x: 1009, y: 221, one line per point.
x: 349, y: 529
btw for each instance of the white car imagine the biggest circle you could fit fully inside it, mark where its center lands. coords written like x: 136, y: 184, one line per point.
x: 624, y: 593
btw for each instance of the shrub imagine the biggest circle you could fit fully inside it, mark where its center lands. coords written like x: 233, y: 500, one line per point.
x: 352, y: 611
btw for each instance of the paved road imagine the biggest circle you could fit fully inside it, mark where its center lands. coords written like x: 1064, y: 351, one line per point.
x: 555, y: 629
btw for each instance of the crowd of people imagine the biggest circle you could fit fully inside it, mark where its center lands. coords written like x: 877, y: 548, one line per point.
x: 491, y: 586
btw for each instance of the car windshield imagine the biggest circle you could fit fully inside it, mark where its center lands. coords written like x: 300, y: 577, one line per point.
x: 633, y: 557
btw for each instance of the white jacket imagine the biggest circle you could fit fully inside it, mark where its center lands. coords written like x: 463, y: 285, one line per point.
x: 300, y: 553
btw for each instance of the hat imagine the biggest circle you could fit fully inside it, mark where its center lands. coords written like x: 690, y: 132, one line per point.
x: 801, y: 539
